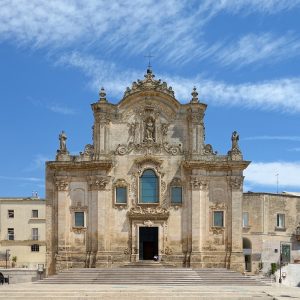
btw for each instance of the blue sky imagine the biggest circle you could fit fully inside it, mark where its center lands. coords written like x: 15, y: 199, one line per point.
x: 242, y: 55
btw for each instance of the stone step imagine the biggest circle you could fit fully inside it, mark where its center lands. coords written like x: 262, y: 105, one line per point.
x: 152, y: 276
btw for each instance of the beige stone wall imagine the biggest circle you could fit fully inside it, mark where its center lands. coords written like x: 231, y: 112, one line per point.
x: 263, y: 233
x: 23, y: 222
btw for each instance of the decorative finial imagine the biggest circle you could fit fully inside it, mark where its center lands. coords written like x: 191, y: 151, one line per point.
x: 102, y: 95
x: 195, y: 96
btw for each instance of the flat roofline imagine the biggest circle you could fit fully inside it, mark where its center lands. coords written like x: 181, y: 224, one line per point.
x: 22, y: 198
x: 272, y: 194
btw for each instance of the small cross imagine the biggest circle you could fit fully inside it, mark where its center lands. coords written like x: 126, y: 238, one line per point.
x: 149, y: 57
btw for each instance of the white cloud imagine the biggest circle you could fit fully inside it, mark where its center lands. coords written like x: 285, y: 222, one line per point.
x: 57, y: 108
x: 264, y: 48
x: 294, y: 149
x: 264, y: 173
x: 281, y: 94
x: 38, y: 163
x: 273, y: 137
x: 172, y: 29
x: 32, y: 179
x: 250, y: 6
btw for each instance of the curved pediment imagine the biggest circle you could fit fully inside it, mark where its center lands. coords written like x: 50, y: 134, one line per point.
x: 149, y: 92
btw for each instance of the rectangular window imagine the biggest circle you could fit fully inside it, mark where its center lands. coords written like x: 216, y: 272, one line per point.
x: 176, y: 195
x: 245, y: 219
x: 79, y: 219
x: 218, y: 219
x: 35, y: 248
x: 35, y: 234
x: 11, y: 234
x: 280, y: 222
x: 11, y: 213
x: 121, y: 195
x: 35, y: 213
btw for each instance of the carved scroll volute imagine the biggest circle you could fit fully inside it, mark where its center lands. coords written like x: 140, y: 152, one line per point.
x: 98, y: 183
x: 198, y: 183
x: 236, y: 182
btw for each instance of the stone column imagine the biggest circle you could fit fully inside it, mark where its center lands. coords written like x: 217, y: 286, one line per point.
x: 199, y: 199
x: 236, y: 183
x: 63, y: 212
x: 98, y: 215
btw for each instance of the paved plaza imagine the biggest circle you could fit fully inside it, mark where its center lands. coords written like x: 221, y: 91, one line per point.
x: 95, y: 291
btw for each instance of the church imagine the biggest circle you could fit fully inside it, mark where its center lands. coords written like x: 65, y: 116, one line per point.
x: 149, y: 188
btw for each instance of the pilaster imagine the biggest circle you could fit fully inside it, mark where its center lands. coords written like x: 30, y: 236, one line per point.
x: 63, y: 213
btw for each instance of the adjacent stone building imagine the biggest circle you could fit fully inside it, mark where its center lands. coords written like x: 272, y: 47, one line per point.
x: 149, y: 186
x: 271, y: 225
x: 22, y: 232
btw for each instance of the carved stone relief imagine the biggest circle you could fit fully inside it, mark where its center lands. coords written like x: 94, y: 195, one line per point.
x: 236, y: 182
x: 148, y: 213
x: 98, y: 183
x: 147, y: 134
x: 198, y: 183
x: 62, y: 185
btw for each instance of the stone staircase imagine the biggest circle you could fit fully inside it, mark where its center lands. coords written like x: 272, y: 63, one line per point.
x: 152, y: 276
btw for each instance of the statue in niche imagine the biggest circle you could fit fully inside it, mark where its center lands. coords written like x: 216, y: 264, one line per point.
x: 62, y: 142
x: 149, y: 130
x: 131, y: 132
x: 164, y: 129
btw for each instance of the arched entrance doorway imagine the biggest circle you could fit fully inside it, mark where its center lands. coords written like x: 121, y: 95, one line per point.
x: 247, y: 250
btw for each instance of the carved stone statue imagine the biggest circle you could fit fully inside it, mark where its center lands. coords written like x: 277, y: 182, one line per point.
x: 62, y: 142
x: 149, y: 130
x: 235, y: 140
x: 131, y: 132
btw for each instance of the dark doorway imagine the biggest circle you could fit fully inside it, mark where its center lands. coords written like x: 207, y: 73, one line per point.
x: 148, y: 246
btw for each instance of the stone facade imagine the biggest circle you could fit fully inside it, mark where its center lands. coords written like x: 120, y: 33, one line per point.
x: 149, y: 129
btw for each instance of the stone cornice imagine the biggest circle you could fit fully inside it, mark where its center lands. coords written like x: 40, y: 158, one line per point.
x: 216, y: 165
x: 83, y: 165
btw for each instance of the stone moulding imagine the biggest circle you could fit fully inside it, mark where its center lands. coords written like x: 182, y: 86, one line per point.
x: 215, y: 165
x: 82, y: 165
x: 148, y: 213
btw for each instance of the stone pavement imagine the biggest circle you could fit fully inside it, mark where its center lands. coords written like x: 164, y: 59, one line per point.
x: 94, y: 291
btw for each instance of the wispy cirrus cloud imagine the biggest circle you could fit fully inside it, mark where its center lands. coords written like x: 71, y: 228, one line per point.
x: 254, y: 48
x: 281, y: 94
x: 38, y: 163
x: 60, y: 109
x: 31, y: 179
x: 53, y: 106
x: 273, y: 137
x: 173, y: 29
x: 294, y: 149
x: 264, y: 173
x: 250, y: 6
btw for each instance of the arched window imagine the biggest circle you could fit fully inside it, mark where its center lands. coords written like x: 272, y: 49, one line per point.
x: 149, y: 187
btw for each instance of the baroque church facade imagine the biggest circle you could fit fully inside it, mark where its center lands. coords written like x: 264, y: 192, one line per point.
x: 148, y: 187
